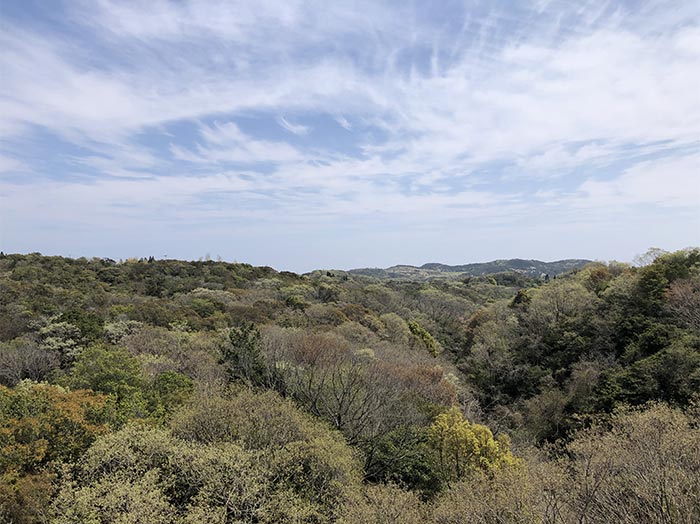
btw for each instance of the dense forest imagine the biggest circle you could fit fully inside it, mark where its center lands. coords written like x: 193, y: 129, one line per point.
x: 164, y: 391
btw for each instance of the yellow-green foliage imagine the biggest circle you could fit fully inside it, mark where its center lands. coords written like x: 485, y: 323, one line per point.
x: 151, y: 336
x: 506, y: 496
x: 638, y: 466
x: 141, y: 474
x: 641, y: 466
x: 307, y: 457
x: 465, y: 447
x: 425, y: 337
x: 386, y: 504
x: 40, y: 424
x: 251, y: 458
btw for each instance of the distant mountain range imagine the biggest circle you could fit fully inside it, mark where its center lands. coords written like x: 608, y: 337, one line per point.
x: 530, y: 268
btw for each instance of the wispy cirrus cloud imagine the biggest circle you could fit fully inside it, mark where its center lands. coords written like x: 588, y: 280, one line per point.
x: 225, y: 143
x: 297, y: 129
x: 343, y: 122
x: 497, y: 115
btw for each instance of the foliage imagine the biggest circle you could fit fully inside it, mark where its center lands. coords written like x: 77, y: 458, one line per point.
x: 386, y: 504
x: 248, y: 395
x: 424, y: 336
x: 507, y: 496
x: 405, y: 457
x: 238, y: 468
x: 112, y: 371
x: 168, y: 392
x: 640, y: 466
x: 464, y: 447
x: 241, y: 354
x: 42, y: 424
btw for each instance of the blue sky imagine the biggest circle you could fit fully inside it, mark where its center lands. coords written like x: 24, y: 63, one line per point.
x: 348, y: 134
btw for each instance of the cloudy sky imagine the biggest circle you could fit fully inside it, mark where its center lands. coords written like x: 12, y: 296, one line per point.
x: 305, y: 134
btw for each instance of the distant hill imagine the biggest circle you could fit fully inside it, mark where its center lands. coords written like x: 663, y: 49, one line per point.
x: 530, y: 268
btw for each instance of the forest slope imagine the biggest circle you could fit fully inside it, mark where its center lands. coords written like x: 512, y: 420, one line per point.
x: 208, y: 391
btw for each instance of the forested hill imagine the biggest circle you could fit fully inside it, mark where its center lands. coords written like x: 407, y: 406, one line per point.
x: 173, y: 392
x: 530, y: 268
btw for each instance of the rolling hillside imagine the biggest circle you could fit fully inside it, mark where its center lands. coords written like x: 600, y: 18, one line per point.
x: 530, y: 268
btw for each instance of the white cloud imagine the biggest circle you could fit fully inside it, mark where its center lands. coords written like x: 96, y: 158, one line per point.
x: 226, y: 143
x: 563, y: 93
x: 605, y: 84
x: 12, y: 165
x: 343, y: 122
x: 297, y: 129
x: 669, y: 183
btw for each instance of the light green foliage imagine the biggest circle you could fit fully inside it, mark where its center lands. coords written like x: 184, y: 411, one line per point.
x: 116, y: 499
x: 395, y: 329
x: 507, y: 496
x: 322, y: 471
x: 115, y: 372
x: 641, y: 466
x: 386, y: 504
x: 114, y: 332
x: 297, y: 296
x: 637, y: 466
x: 425, y: 337
x: 139, y: 473
x: 560, y: 303
x: 327, y: 292
x: 257, y: 420
x: 329, y: 350
x: 253, y: 458
x: 464, y: 447
x: 61, y: 338
x: 306, y: 457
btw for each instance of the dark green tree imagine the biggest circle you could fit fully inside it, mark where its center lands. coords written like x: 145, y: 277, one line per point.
x: 242, y: 356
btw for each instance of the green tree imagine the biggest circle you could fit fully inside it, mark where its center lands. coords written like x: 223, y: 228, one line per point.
x: 404, y: 456
x: 425, y: 337
x: 114, y: 371
x: 464, y: 447
x: 168, y: 391
x: 242, y: 356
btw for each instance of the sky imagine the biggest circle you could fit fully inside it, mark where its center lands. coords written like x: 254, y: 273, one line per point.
x: 316, y: 134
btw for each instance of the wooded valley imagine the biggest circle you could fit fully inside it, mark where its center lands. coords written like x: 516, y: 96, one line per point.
x: 164, y: 391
